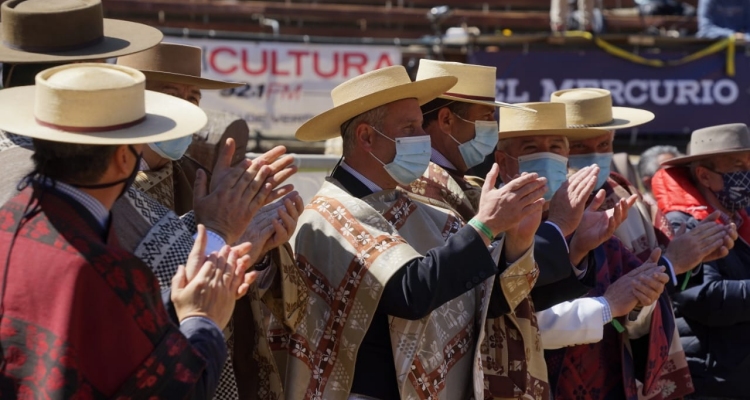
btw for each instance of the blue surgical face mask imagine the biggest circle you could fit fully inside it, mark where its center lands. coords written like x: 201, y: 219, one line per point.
x: 412, y: 158
x: 552, y: 166
x: 603, y: 160
x: 172, y: 149
x: 485, y: 139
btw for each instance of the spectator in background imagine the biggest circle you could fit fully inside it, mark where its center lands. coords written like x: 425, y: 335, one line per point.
x: 560, y: 9
x: 714, y: 311
x: 723, y: 18
x: 650, y: 162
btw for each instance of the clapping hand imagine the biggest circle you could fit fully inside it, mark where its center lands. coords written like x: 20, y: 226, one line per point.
x: 569, y: 202
x: 217, y: 281
x: 596, y: 227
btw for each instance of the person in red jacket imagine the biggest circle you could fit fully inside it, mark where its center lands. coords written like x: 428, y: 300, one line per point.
x: 713, y: 183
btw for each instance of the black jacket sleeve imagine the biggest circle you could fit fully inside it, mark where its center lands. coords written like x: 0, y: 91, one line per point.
x: 557, y: 279
x: 207, y: 340
x: 551, y: 254
x: 444, y: 273
x: 719, y: 301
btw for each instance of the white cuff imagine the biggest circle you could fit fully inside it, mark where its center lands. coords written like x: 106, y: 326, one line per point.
x: 606, y: 310
x: 671, y: 270
x: 561, y: 234
x: 214, y: 243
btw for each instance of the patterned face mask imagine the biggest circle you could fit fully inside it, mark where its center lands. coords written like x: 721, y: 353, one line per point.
x: 736, y: 192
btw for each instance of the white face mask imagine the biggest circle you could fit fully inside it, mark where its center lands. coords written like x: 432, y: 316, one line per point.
x: 412, y: 158
x: 172, y: 149
x: 552, y: 166
x: 485, y: 139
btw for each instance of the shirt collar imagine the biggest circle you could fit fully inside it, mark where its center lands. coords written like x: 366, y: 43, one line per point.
x: 440, y: 160
x: 97, y: 209
x: 144, y: 165
x: 370, y: 184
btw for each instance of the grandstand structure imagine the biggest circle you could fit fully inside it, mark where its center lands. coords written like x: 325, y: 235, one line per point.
x: 405, y: 19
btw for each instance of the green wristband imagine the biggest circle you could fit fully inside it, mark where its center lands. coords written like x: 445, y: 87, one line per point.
x: 687, y: 278
x: 482, y: 228
x: 618, y: 326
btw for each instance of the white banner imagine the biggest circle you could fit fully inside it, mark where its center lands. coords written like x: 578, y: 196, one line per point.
x: 286, y: 83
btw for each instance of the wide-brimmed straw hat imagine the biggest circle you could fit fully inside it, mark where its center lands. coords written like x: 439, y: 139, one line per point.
x: 476, y: 83
x: 175, y: 63
x: 715, y: 141
x: 548, y: 120
x: 98, y: 104
x: 366, y: 92
x: 49, y: 31
x: 592, y: 108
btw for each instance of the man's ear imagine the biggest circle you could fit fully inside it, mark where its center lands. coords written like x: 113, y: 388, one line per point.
x: 445, y: 120
x: 122, y: 160
x: 365, y: 137
x: 703, y: 176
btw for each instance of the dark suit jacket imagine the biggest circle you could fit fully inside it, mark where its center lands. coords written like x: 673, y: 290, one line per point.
x: 413, y: 292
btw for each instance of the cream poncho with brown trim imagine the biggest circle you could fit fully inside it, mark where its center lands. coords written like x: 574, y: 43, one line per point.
x: 510, y: 345
x: 347, y: 249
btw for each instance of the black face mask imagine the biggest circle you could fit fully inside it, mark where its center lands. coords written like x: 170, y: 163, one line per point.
x: 128, y: 181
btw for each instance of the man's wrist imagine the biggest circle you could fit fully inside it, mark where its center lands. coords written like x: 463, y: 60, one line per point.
x: 514, y: 251
x: 554, y: 222
x: 482, y: 236
x: 576, y: 255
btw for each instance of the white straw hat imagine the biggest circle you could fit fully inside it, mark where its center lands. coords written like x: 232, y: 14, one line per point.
x: 592, y: 108
x: 548, y: 120
x: 476, y: 83
x: 98, y: 104
x: 366, y: 92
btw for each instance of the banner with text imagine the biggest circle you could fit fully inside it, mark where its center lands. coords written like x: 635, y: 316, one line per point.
x: 285, y: 83
x: 684, y: 98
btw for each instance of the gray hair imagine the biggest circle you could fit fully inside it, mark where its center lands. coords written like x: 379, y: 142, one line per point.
x: 372, y: 117
x: 504, y: 144
x: 707, y: 163
x: 649, y: 162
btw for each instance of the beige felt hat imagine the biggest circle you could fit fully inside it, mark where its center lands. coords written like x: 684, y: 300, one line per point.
x: 176, y: 63
x: 548, y: 120
x: 48, y: 31
x: 476, y: 83
x: 99, y: 104
x: 367, y: 91
x: 715, y: 141
x: 592, y: 108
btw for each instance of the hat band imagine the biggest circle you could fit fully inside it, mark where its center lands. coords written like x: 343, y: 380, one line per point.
x: 469, y: 97
x: 90, y: 129
x: 71, y: 47
x: 579, y: 126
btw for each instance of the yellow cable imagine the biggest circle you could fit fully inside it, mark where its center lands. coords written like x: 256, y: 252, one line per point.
x: 728, y: 44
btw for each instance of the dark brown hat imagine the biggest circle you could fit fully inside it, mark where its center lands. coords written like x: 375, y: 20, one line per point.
x: 175, y: 63
x: 48, y: 31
